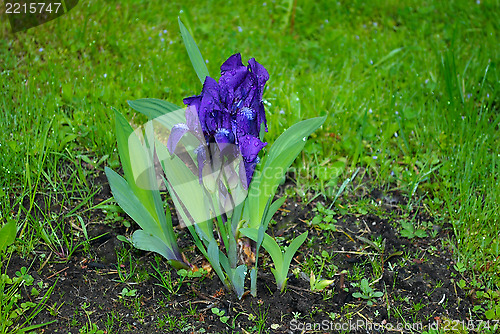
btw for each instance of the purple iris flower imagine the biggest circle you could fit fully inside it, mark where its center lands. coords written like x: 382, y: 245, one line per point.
x: 228, y: 112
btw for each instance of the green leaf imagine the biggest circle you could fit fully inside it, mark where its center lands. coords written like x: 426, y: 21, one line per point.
x: 123, y: 131
x: 84, y: 227
x: 143, y: 203
x: 212, y: 255
x: 490, y: 314
x: 316, y: 220
x: 194, y: 53
x: 166, y: 113
x: 320, y: 285
x: 151, y: 243
x: 389, y: 55
x: 183, y: 184
x: 253, y: 282
x: 494, y: 313
x: 365, y: 286
x: 34, y: 292
x: 130, y: 146
x: 269, y: 244
x: 263, y: 225
x: 267, y: 181
x: 165, y: 220
x: 218, y: 312
x: 7, y: 235
x: 273, y: 208
x: 125, y: 197
x: 281, y: 155
x: 357, y: 295
x: 153, y: 108
x: 260, y: 237
x: 123, y: 238
x: 312, y: 281
x: 238, y: 279
x: 297, y: 132
x: 291, y: 250
x: 419, y: 233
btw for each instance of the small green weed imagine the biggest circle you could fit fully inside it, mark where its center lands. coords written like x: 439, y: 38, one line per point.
x: 128, y: 293
x: 367, y: 292
x: 90, y: 329
x: 409, y: 231
x: 318, y: 284
x: 324, y: 218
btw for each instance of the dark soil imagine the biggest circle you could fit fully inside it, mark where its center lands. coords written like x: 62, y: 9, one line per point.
x: 418, y: 281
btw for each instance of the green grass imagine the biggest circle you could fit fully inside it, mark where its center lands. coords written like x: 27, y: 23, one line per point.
x: 410, y: 88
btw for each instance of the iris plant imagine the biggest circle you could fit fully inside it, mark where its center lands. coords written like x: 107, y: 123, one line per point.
x: 210, y: 163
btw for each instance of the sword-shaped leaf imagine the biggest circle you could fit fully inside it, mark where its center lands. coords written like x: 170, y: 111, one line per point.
x: 194, y: 53
x: 280, y: 259
x: 153, y: 108
x: 128, y: 201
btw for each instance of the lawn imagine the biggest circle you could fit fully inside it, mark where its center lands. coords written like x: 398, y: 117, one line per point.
x: 398, y: 190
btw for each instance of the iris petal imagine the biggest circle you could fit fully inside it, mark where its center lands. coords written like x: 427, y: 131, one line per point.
x: 201, y: 155
x: 259, y: 71
x: 246, y: 172
x: 223, y: 137
x: 193, y: 101
x: 209, y: 103
x: 246, y: 122
x: 231, y: 80
x: 232, y: 63
x: 176, y: 134
x: 250, y: 147
x: 193, y: 123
